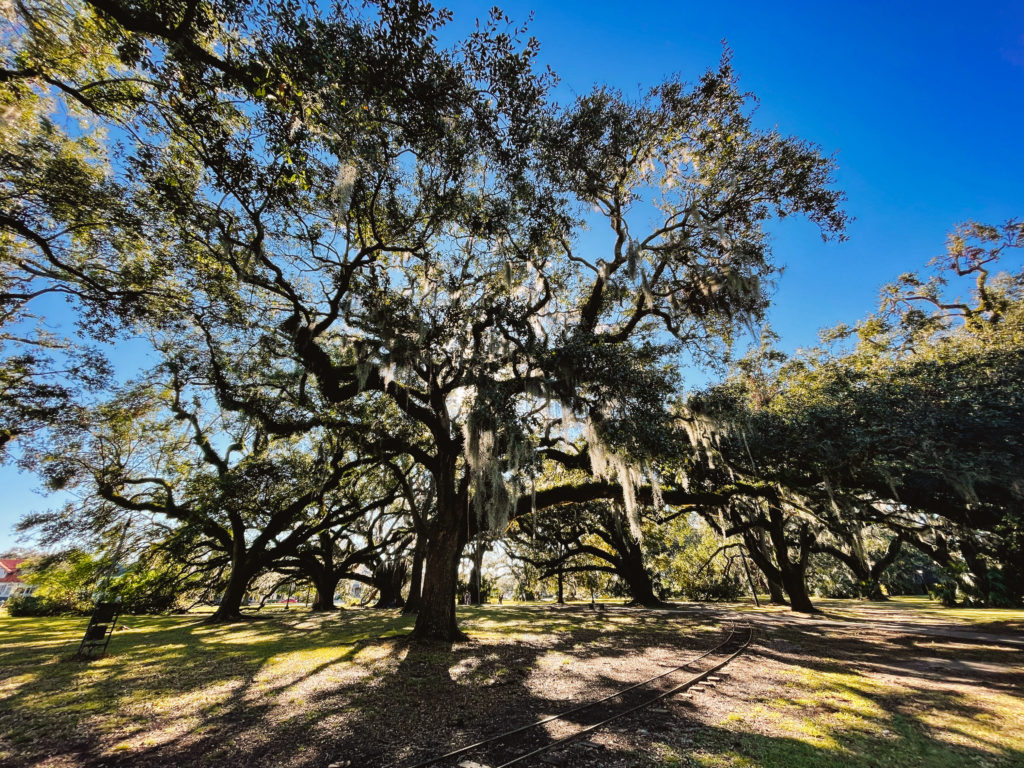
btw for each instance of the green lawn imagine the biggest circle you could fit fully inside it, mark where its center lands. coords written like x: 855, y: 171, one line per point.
x: 833, y: 716
x: 174, y: 671
x: 175, y: 690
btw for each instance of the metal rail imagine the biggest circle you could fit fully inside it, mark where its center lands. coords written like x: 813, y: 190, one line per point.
x: 588, y: 705
x: 596, y: 726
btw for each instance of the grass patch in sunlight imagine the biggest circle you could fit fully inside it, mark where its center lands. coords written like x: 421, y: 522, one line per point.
x: 161, y: 671
x: 165, y: 677
x: 174, y: 683
x: 821, y: 719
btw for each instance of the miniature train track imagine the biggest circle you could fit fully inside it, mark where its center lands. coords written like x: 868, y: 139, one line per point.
x: 634, y: 698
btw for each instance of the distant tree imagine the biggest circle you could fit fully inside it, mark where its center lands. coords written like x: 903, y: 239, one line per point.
x: 367, y: 544
x: 585, y: 538
x: 915, y: 427
x: 65, y: 581
x: 198, y: 481
x: 693, y: 562
x: 70, y: 226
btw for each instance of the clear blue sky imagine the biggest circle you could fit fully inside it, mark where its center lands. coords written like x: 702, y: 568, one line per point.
x: 923, y: 102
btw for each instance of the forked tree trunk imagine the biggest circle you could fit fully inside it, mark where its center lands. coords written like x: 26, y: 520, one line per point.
x: 772, y: 575
x: 318, y: 566
x: 867, y: 586
x: 243, y: 568
x: 631, y: 565
x: 869, y: 583
x: 446, y: 537
x: 793, y: 573
x: 868, y: 576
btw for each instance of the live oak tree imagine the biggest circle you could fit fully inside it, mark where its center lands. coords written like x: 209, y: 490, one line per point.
x: 66, y: 229
x: 201, y: 484
x: 914, y: 427
x: 975, y: 339
x: 592, y: 537
x: 694, y: 562
x: 368, y: 545
x: 454, y: 291
x: 379, y: 237
x: 866, y: 551
x: 76, y: 221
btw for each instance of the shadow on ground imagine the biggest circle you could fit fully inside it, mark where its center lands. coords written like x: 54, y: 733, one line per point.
x: 349, y: 689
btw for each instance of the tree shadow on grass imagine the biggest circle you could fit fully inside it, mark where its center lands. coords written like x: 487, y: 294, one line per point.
x: 938, y: 661
x: 312, y: 691
x: 164, y: 682
x: 296, y: 693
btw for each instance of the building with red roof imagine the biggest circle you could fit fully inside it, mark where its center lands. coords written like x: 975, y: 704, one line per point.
x: 10, y: 583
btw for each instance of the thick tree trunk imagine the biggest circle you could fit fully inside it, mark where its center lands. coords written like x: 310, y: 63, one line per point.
x: 326, y: 584
x: 641, y: 588
x: 869, y: 581
x: 869, y: 586
x: 776, y: 594
x: 631, y: 567
x: 446, y: 537
x: 772, y: 575
x: 242, y: 571
x: 389, y: 578
x: 793, y: 574
x: 879, y: 568
x: 436, y: 620
x: 318, y: 566
x: 796, y: 587
x: 230, y: 608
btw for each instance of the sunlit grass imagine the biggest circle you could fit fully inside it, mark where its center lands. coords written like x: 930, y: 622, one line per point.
x: 902, y: 609
x: 174, y: 681
x: 169, y: 678
x: 825, y: 719
x: 164, y: 675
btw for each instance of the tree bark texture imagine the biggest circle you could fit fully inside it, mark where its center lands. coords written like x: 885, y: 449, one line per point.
x: 792, y: 572
x: 230, y: 608
x: 412, y: 602
x: 631, y: 566
x: 446, y: 536
x: 326, y: 584
x: 772, y: 575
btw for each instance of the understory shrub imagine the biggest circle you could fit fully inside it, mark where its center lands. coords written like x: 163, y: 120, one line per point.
x: 32, y: 605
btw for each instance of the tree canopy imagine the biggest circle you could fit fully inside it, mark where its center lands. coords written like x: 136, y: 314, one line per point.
x: 364, y: 248
x: 914, y: 425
